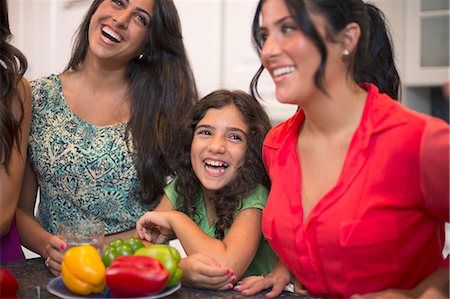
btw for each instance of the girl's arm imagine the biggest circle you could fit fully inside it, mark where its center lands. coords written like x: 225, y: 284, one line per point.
x: 161, y: 235
x: 11, y: 181
x: 199, y: 270
x: 236, y: 251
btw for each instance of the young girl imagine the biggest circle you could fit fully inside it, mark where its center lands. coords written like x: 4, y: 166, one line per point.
x: 214, y: 204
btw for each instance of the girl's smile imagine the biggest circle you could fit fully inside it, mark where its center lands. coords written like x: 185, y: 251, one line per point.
x: 218, y: 147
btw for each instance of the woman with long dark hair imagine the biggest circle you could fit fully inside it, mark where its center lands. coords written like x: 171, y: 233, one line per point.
x: 360, y: 183
x: 15, y: 115
x: 101, y: 141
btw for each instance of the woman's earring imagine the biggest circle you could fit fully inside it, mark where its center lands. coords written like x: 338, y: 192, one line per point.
x: 345, y: 52
x: 141, y: 56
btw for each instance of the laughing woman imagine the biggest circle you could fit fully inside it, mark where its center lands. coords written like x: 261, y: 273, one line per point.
x: 101, y: 132
x: 360, y: 183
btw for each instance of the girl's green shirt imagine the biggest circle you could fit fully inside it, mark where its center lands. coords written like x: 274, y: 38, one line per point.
x: 265, y: 258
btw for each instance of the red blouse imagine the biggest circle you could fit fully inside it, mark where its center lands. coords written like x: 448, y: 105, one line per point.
x: 382, y: 225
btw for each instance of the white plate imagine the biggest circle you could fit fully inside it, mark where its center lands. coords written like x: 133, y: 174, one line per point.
x: 56, y: 287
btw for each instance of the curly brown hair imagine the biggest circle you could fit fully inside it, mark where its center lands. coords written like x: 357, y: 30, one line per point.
x: 228, y: 199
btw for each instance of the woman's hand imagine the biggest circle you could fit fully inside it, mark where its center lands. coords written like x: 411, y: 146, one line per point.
x: 278, y: 279
x: 38, y: 240
x: 202, y: 271
x: 54, y: 253
x: 155, y: 226
x: 435, y: 286
x: 388, y: 294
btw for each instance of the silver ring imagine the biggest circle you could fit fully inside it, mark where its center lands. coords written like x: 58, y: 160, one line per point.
x: 47, y: 260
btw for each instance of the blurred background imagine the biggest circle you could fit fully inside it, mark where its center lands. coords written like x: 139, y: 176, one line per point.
x: 217, y: 37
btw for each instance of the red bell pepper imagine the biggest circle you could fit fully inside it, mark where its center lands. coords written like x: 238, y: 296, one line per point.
x: 136, y: 276
x: 8, y: 284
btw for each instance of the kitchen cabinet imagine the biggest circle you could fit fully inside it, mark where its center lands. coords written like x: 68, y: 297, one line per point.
x: 420, y: 33
x: 427, y: 42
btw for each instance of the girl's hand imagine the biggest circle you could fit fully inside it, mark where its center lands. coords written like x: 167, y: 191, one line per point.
x: 202, y: 271
x: 278, y: 279
x: 54, y: 253
x: 155, y: 226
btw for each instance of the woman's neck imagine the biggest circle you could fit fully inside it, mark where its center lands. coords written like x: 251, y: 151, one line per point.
x: 340, y: 110
x: 100, y: 80
x: 102, y: 74
x: 97, y: 95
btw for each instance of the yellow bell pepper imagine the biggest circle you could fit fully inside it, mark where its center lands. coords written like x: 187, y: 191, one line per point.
x: 83, y: 271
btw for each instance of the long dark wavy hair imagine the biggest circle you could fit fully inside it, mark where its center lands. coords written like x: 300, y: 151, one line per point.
x: 373, y: 60
x: 161, y: 88
x: 13, y: 65
x: 229, y: 198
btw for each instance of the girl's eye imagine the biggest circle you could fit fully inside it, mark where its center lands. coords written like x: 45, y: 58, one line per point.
x: 236, y: 137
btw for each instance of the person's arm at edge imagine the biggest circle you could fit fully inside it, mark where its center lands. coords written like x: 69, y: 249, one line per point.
x: 434, y: 170
x: 11, y: 182
x: 32, y: 235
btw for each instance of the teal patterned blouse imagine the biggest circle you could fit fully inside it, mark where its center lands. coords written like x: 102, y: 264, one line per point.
x: 84, y: 171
